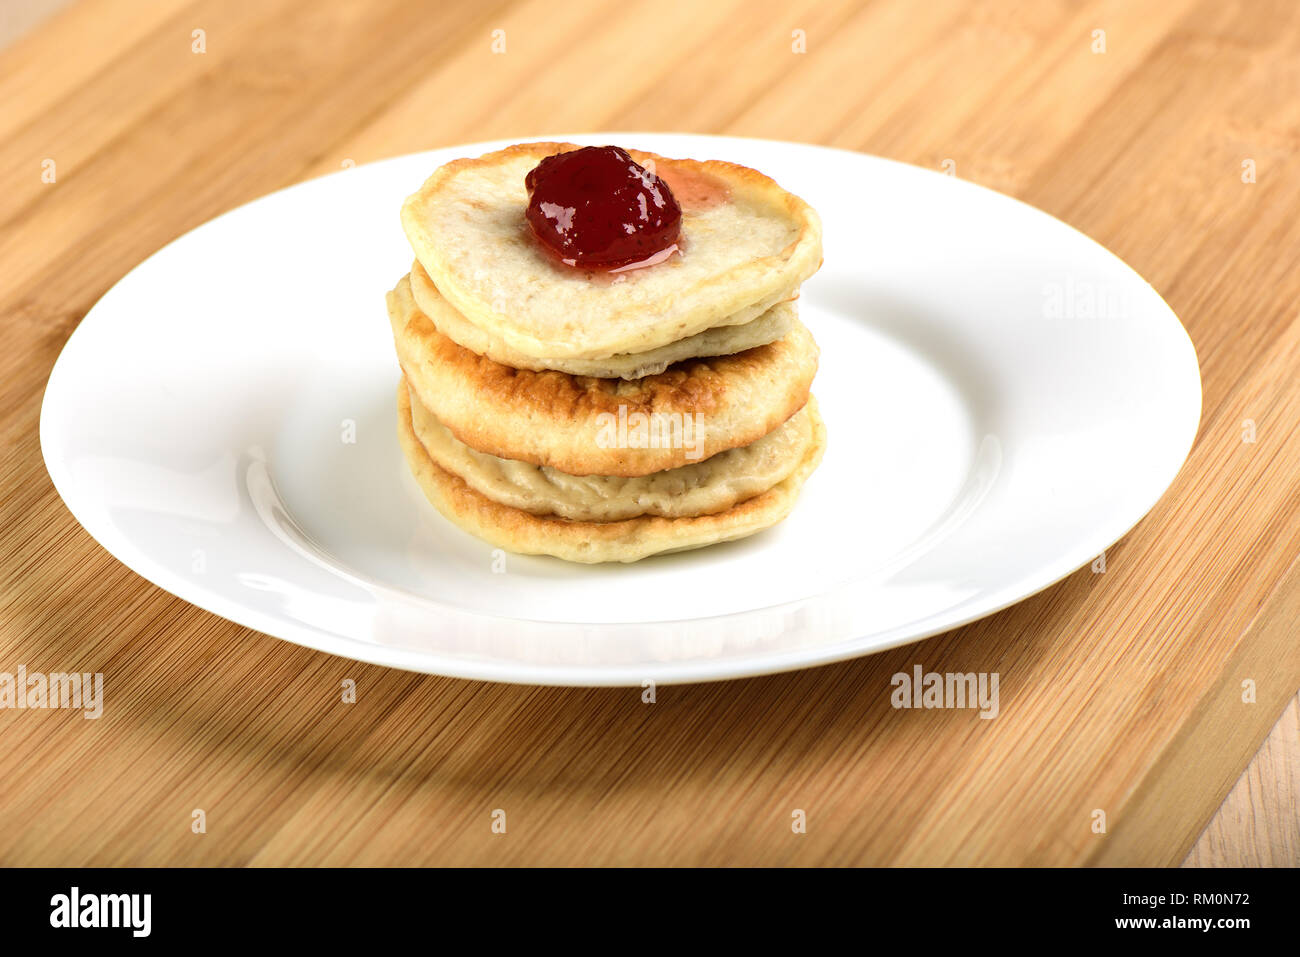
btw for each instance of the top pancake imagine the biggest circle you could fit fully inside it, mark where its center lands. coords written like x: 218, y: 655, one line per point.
x: 740, y: 256
x: 718, y: 341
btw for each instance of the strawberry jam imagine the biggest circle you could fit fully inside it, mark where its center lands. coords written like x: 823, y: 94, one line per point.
x: 596, y: 207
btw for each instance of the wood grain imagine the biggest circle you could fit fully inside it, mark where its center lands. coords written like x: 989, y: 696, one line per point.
x: 1121, y: 691
x: 1258, y: 825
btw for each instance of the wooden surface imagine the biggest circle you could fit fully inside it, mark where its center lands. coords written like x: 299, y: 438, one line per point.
x: 1121, y: 691
x: 1257, y: 825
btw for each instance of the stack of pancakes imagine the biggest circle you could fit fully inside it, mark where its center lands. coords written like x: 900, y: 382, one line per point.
x: 606, y: 416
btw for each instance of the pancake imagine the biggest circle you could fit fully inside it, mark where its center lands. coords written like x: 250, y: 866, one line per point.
x: 722, y: 340
x: 589, y: 426
x: 628, y: 540
x: 746, y: 245
x: 714, y: 485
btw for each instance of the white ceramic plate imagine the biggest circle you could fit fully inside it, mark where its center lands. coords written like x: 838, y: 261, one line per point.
x: 1004, y: 399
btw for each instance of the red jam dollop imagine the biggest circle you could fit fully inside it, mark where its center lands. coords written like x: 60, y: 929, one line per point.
x: 596, y: 207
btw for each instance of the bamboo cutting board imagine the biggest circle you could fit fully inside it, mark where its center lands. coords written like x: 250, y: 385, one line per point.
x: 1168, y: 131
